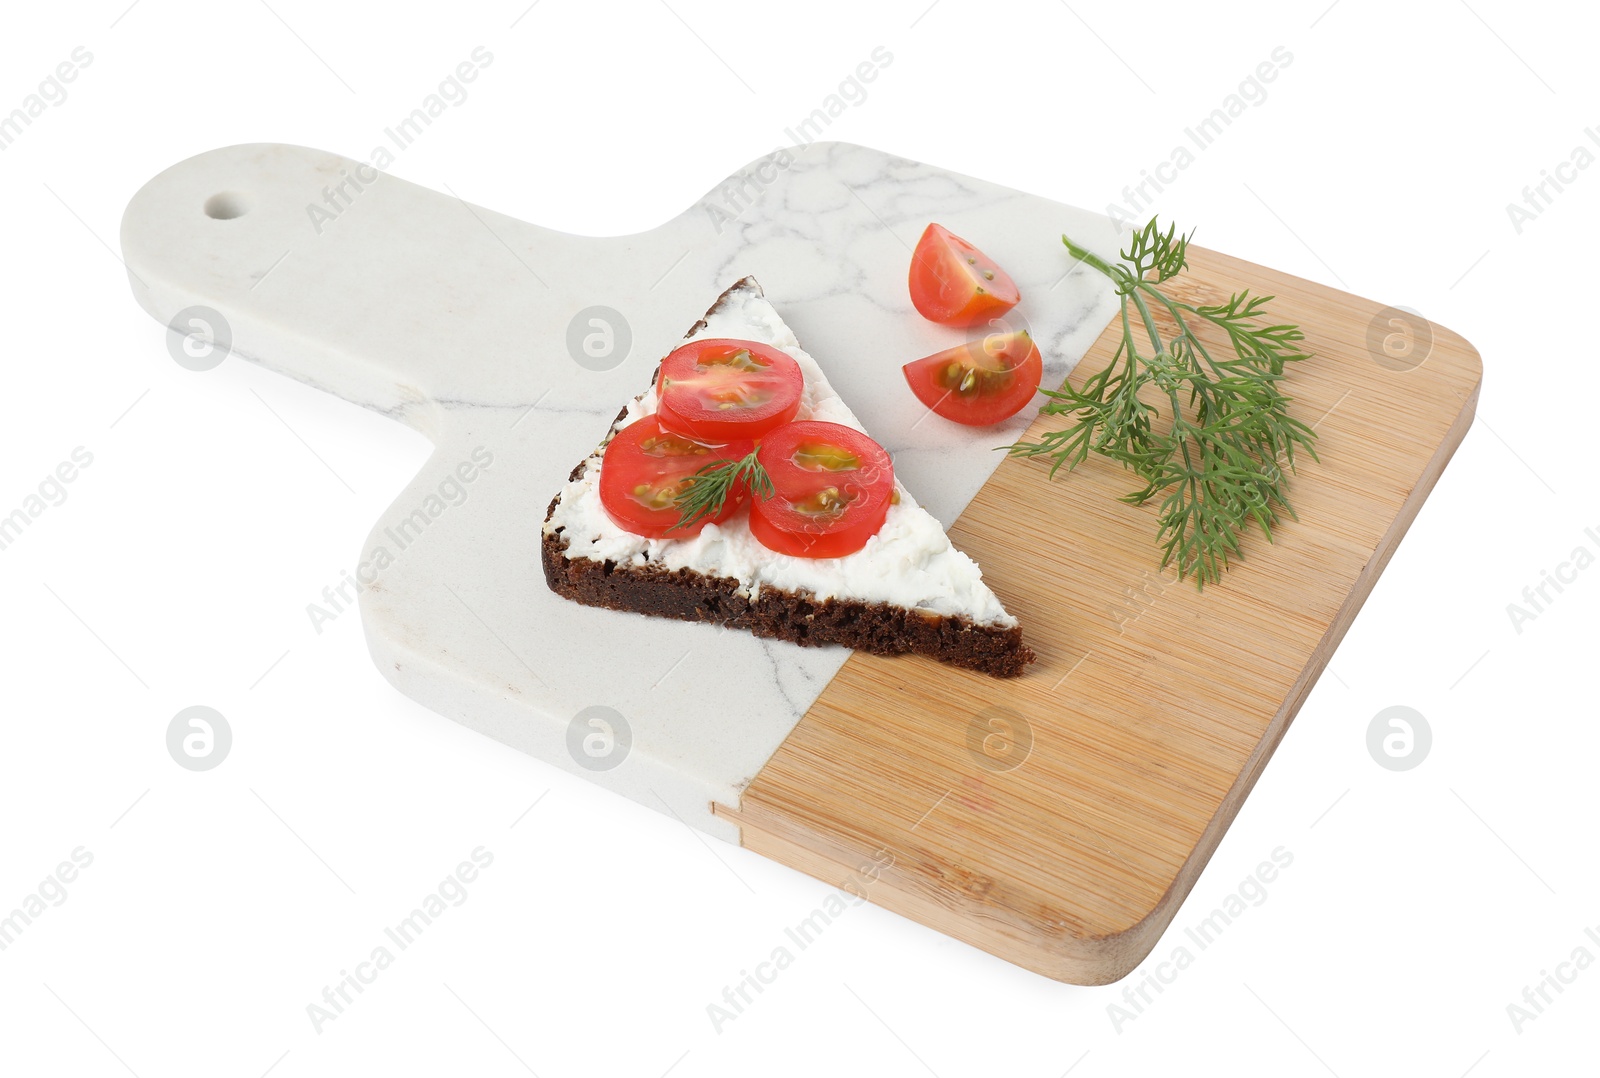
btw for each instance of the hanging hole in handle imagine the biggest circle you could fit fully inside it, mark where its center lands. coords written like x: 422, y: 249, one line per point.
x: 226, y: 205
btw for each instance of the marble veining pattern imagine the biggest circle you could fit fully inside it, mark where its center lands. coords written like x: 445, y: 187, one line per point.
x: 453, y: 320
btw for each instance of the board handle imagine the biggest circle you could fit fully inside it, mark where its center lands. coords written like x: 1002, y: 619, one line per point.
x: 328, y: 270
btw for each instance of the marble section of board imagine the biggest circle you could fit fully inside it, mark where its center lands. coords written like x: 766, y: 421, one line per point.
x: 455, y: 320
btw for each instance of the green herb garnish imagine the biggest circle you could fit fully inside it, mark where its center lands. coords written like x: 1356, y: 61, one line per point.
x: 704, y: 493
x: 1218, y: 436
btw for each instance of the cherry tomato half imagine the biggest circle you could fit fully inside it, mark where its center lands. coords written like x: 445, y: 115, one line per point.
x: 719, y: 389
x: 955, y: 283
x: 980, y: 382
x: 831, y: 489
x: 645, y: 468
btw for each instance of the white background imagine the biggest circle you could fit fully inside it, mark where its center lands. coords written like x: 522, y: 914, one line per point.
x: 1419, y: 904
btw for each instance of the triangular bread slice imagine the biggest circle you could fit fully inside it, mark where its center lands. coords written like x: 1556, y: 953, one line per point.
x: 907, y: 590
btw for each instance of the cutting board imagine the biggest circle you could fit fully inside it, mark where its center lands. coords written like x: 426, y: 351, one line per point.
x: 1056, y: 820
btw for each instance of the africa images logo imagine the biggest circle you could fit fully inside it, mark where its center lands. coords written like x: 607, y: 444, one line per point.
x: 407, y: 529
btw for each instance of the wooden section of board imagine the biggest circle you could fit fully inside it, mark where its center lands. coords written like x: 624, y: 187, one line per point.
x: 1058, y: 820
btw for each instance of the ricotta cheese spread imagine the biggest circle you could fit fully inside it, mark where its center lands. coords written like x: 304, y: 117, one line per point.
x: 910, y: 563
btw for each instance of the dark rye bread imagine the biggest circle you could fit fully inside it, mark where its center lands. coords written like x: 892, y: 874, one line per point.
x: 783, y: 615
x: 797, y: 618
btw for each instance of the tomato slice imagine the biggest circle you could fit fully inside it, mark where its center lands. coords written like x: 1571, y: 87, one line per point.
x: 719, y: 389
x: 955, y: 283
x: 645, y: 468
x: 831, y: 489
x: 980, y: 382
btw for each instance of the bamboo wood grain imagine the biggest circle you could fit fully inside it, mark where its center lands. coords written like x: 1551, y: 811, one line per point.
x: 1152, y: 708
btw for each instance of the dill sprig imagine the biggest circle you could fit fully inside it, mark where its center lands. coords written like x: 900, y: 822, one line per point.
x: 1213, y: 434
x: 704, y: 493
